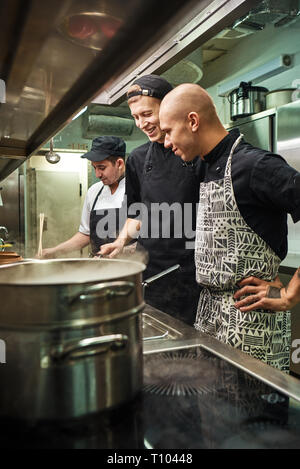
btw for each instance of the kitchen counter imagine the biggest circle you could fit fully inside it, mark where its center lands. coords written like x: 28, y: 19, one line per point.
x: 198, y: 393
x: 290, y: 263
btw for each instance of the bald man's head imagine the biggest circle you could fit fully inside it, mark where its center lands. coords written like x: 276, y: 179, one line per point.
x: 187, y: 98
x: 187, y: 116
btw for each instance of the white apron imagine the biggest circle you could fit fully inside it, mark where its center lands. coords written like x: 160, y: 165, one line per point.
x: 228, y: 250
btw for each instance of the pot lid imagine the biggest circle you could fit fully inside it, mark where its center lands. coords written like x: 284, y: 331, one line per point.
x: 69, y: 293
x: 247, y: 86
x: 59, y: 272
x: 282, y: 89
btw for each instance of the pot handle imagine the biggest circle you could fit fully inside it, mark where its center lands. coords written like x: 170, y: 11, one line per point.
x: 89, y: 347
x: 108, y: 290
x: 160, y: 274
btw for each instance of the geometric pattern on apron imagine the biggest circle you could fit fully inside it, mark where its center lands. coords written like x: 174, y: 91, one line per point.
x: 226, y: 251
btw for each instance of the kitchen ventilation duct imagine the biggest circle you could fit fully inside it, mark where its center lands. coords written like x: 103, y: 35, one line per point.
x: 188, y: 70
x: 94, y: 125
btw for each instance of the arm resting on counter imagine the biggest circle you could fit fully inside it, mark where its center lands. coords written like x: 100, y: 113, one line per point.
x: 268, y: 295
x: 129, y: 232
x: 77, y: 242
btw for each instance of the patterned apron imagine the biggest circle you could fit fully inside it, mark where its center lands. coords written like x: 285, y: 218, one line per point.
x: 228, y: 250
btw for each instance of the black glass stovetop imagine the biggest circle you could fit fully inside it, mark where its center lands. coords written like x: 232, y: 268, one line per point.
x: 191, y: 399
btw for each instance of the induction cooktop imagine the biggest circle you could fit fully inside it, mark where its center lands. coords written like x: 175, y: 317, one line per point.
x: 197, y: 394
x: 194, y: 399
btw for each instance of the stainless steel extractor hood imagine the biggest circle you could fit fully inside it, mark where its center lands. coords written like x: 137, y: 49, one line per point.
x: 177, y: 51
x: 55, y: 56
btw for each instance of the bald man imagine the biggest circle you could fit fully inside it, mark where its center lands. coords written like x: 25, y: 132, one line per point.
x: 241, y: 225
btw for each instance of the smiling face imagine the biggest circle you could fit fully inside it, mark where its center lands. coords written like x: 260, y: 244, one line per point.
x: 145, y: 111
x: 107, y: 171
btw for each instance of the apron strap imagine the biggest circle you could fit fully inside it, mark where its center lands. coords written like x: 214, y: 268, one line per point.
x: 96, y: 198
x: 228, y: 165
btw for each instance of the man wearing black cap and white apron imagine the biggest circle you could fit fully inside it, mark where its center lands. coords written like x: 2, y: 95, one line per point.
x: 101, y: 219
x: 241, y: 223
x: 158, y: 179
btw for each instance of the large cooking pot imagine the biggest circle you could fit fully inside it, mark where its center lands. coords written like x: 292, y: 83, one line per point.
x: 72, y: 332
x: 247, y: 100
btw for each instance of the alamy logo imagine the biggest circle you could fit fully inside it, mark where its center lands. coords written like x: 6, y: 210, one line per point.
x: 2, y: 351
x: 296, y: 353
x: 158, y: 220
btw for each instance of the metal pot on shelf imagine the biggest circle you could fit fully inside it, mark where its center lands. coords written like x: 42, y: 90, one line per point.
x: 247, y: 100
x: 279, y: 97
x: 72, y: 334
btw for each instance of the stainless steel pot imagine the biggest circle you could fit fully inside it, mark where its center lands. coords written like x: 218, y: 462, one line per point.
x: 72, y: 332
x: 247, y: 100
x: 279, y: 97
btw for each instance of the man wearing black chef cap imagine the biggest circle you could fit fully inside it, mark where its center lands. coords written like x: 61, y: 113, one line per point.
x: 168, y: 192
x: 103, y: 201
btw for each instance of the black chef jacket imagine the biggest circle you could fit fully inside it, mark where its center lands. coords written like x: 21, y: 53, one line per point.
x: 154, y: 176
x: 164, y: 168
x: 266, y: 188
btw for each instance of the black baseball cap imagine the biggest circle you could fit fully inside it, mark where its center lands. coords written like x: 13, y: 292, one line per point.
x: 103, y: 147
x: 151, y: 85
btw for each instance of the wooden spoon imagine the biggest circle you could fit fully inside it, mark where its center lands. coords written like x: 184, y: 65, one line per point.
x: 40, y: 249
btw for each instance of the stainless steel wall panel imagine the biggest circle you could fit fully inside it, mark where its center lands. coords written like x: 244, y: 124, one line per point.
x: 288, y: 133
x: 258, y: 132
x: 12, y: 210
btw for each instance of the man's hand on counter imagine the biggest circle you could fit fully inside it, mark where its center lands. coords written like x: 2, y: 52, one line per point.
x: 268, y: 295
